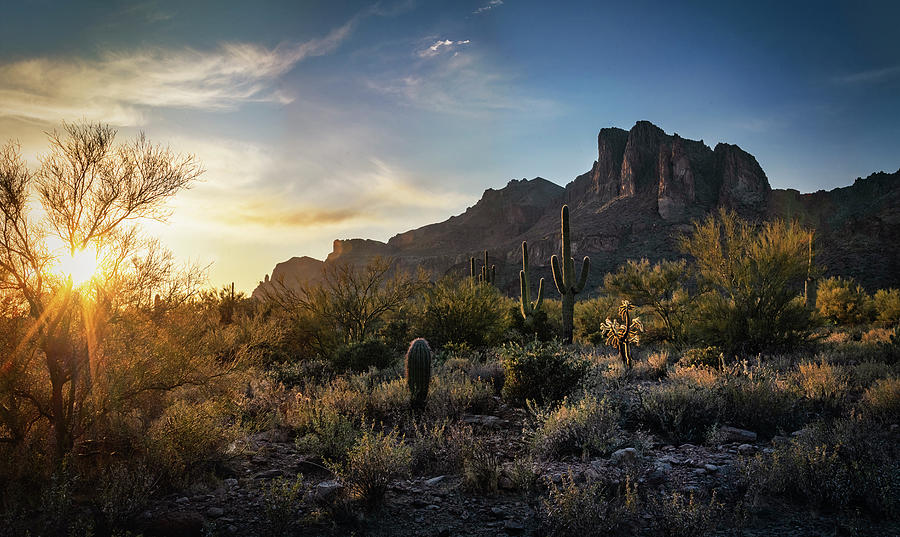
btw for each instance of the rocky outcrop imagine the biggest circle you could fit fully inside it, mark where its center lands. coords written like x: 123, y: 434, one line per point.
x: 290, y: 274
x: 641, y: 194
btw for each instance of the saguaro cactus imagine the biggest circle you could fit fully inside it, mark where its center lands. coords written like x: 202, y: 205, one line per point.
x: 472, y: 273
x: 526, y: 306
x: 564, y: 277
x: 418, y: 371
x: 488, y: 275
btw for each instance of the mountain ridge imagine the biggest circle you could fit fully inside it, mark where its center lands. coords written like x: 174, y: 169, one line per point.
x: 642, y: 192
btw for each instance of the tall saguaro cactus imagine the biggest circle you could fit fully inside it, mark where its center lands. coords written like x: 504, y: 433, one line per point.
x: 526, y: 306
x: 564, y: 277
x: 488, y: 275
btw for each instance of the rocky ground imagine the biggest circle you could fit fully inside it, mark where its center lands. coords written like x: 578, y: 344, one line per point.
x: 442, y: 505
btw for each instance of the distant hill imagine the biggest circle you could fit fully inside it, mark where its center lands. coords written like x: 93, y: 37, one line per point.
x: 640, y: 195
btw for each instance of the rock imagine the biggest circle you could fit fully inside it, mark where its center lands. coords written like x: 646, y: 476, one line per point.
x: 328, y: 490
x: 215, y: 512
x: 624, y: 456
x: 663, y: 466
x: 733, y: 434
x: 699, y: 471
x: 491, y: 422
x: 498, y: 512
x: 710, y: 467
x: 418, y: 503
x: 746, y: 449
x: 779, y: 440
x: 231, y: 482
x: 432, y: 507
x: 656, y: 477
x: 434, y: 480
x: 269, y: 474
x: 514, y: 527
x: 182, y: 523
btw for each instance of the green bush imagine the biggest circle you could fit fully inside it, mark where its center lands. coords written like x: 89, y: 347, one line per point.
x: 439, y: 447
x: 682, y: 412
x: 374, y: 461
x: 282, y: 499
x: 887, y: 305
x: 680, y: 515
x: 481, y: 468
x: 750, y: 277
x: 326, y: 434
x: 541, y: 372
x: 843, y: 465
x: 881, y: 402
x: 760, y: 403
x: 189, y: 438
x: 586, y: 428
x: 361, y: 356
x: 590, y: 315
x: 841, y: 301
x: 571, y: 510
x: 702, y: 357
x: 460, y: 311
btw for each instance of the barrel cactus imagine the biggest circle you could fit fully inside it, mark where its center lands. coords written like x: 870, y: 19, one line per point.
x: 418, y: 371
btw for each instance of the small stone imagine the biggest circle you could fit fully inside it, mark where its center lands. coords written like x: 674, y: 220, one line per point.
x: 656, y: 477
x: 215, y: 512
x: 663, y: 466
x: 327, y: 490
x: 733, y: 434
x: 269, y: 474
x: 624, y: 456
x: 711, y: 467
x: 182, y: 500
x: 514, y: 527
x: 418, y: 503
x: 699, y: 471
x: 780, y: 440
x: 432, y: 507
x: 231, y: 482
x: 746, y: 449
x: 434, y: 480
x: 498, y: 512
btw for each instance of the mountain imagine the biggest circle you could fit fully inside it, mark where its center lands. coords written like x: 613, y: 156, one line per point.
x: 640, y: 195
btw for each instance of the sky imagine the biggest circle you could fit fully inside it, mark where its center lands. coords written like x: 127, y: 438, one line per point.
x: 337, y: 119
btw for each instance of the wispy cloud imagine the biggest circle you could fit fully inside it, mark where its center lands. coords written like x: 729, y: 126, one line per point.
x: 118, y: 87
x: 487, y: 7
x: 871, y: 76
x: 440, y: 46
x: 459, y: 84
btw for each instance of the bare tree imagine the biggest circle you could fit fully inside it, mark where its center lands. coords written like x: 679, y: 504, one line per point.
x: 92, y: 192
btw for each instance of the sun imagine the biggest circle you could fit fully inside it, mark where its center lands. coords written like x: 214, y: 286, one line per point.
x: 80, y: 266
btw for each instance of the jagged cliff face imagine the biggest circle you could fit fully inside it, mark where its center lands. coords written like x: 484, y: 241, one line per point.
x: 640, y: 195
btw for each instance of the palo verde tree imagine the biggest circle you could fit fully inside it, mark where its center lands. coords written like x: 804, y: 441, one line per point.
x: 71, y: 267
x: 751, y: 277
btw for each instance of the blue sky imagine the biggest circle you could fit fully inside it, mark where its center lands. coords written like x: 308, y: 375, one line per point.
x: 324, y: 120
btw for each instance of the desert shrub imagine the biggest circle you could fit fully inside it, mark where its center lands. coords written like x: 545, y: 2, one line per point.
x: 190, y: 437
x: 750, y: 276
x: 681, y: 411
x: 842, y: 301
x: 454, y: 394
x: 481, y: 469
x: 825, y: 385
x: 590, y: 315
x: 585, y: 428
x: 881, y: 402
x: 360, y: 356
x: 326, y: 434
x: 761, y: 403
x: 657, y: 289
x: 542, y: 372
x: 887, y: 305
x: 570, y: 510
x: 439, y: 447
x: 845, y: 464
x: 460, y: 311
x: 537, y: 325
x: 374, y: 461
x: 524, y: 475
x: 124, y: 489
x: 301, y: 373
x: 863, y: 374
x: 702, y: 357
x: 679, y: 515
x: 282, y: 499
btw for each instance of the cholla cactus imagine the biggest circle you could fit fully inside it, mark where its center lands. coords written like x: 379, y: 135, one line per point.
x: 620, y: 335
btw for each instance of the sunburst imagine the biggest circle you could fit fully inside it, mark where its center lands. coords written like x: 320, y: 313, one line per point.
x: 80, y: 266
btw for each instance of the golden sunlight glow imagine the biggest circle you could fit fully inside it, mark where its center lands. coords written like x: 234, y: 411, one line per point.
x: 80, y: 266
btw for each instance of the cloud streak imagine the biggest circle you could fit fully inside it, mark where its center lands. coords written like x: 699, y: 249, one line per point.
x: 118, y: 87
x: 871, y: 76
x: 440, y: 46
x: 487, y: 7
